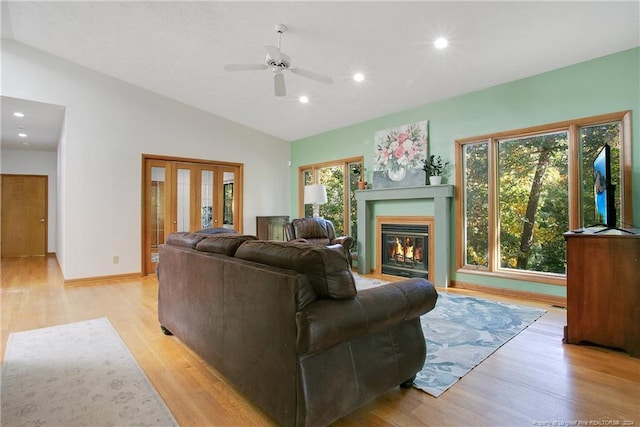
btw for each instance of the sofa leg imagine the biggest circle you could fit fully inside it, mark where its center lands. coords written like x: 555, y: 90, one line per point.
x: 408, y: 383
x: 165, y: 330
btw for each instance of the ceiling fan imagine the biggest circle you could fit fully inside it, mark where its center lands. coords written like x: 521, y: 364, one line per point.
x: 278, y: 62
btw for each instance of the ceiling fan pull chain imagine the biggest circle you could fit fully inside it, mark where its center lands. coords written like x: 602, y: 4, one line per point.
x: 280, y: 28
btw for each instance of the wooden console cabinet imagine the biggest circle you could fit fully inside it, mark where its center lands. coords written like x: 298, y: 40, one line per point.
x: 603, y: 289
x: 271, y: 227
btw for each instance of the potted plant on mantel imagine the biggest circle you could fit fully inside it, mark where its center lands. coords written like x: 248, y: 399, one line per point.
x: 434, y: 166
x: 359, y: 170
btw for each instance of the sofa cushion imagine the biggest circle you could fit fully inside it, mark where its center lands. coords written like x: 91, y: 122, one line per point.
x: 184, y: 239
x: 328, y: 269
x: 225, y: 244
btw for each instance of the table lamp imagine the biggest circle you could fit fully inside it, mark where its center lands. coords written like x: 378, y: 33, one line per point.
x: 315, y: 194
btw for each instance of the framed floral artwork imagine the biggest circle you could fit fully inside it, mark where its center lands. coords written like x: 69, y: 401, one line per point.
x: 399, y: 154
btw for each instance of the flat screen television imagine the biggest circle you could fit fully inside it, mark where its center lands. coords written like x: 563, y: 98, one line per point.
x: 604, y: 190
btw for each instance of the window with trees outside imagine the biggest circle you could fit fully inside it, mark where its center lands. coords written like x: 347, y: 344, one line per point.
x: 340, y: 177
x: 521, y: 190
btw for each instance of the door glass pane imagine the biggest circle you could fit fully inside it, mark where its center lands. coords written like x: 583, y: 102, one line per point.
x: 476, y: 204
x: 206, y: 200
x: 592, y: 139
x: 533, y: 202
x: 228, y: 179
x: 183, y: 198
x: 157, y: 210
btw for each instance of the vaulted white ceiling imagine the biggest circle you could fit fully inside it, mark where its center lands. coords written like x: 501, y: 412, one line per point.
x: 178, y: 49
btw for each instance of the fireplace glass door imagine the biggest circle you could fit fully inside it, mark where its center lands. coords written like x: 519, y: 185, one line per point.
x: 405, y: 250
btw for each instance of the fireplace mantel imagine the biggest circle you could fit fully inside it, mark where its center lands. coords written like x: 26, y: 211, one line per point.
x: 440, y: 194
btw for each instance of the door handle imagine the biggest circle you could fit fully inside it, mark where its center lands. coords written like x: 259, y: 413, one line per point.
x: 42, y: 220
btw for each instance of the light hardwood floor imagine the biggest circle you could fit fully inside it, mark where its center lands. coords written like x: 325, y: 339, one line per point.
x: 533, y: 380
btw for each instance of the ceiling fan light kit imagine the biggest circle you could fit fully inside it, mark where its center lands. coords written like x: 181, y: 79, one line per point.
x: 278, y: 62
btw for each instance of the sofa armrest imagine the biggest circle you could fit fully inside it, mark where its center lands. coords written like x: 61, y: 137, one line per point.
x: 345, y: 241
x: 325, y: 323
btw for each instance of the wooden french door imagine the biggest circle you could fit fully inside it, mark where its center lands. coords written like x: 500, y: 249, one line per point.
x: 24, y: 215
x: 187, y: 195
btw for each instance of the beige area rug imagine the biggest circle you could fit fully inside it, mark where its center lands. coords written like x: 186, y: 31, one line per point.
x: 78, y: 374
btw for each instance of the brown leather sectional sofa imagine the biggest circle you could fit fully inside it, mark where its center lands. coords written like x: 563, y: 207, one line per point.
x: 283, y: 322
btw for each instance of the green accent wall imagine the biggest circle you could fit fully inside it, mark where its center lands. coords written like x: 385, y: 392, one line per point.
x: 602, y: 85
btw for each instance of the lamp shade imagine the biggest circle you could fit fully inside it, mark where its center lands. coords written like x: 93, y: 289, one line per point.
x: 315, y: 194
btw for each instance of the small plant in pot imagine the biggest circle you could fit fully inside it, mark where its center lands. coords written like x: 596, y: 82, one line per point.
x: 434, y: 166
x: 359, y: 170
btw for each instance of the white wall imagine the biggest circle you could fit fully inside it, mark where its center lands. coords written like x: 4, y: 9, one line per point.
x: 24, y: 162
x: 109, y: 125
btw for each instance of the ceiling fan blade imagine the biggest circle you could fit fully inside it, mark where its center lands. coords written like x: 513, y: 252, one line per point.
x: 278, y: 83
x: 274, y: 53
x: 311, y: 75
x: 245, y: 67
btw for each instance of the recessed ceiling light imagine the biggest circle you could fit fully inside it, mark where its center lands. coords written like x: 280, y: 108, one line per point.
x: 22, y: 135
x: 303, y: 99
x: 18, y: 114
x: 358, y: 77
x: 441, y: 43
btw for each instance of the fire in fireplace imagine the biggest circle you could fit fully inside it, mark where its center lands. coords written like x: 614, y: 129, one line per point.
x: 405, y: 250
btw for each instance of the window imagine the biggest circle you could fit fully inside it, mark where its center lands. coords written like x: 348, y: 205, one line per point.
x: 476, y: 205
x: 340, y: 177
x: 521, y: 190
x: 533, y: 203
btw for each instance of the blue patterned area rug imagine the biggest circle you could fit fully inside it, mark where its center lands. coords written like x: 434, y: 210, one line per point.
x: 78, y: 374
x: 461, y: 332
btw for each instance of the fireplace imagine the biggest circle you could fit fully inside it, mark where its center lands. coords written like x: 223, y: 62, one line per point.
x: 405, y: 250
x: 437, y: 201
